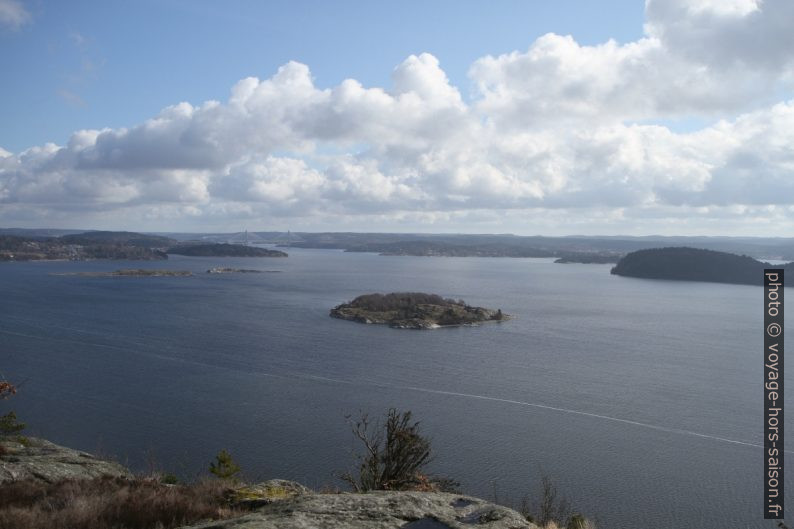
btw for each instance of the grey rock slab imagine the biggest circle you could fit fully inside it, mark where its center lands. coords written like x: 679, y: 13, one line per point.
x: 378, y: 510
x: 45, y: 461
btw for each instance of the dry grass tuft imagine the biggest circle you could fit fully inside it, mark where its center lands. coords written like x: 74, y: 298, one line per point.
x: 111, y: 503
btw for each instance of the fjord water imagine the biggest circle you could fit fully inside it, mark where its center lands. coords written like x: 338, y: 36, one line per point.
x: 641, y: 399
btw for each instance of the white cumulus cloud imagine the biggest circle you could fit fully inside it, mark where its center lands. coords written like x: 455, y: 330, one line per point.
x: 561, y: 134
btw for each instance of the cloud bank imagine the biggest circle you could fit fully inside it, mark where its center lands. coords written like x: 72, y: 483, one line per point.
x: 560, y: 138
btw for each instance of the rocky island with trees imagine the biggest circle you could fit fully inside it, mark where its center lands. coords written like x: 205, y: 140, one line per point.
x: 130, y: 272
x: 414, y: 310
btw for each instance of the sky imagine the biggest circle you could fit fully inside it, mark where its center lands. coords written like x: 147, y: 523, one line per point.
x: 672, y: 117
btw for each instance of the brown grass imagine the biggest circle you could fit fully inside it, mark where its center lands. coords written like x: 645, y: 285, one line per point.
x: 111, y: 503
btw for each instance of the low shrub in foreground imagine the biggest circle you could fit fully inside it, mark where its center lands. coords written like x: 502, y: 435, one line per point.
x: 553, y: 511
x: 395, y: 456
x: 111, y: 503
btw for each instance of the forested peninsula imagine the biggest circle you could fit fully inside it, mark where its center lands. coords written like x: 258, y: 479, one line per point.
x: 694, y: 264
x: 224, y: 250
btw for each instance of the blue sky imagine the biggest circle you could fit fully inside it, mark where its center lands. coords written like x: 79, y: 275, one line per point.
x: 665, y: 116
x: 113, y: 64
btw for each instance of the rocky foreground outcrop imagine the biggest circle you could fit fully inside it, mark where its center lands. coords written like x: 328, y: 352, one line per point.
x: 275, y: 504
x: 42, y: 460
x: 377, y: 510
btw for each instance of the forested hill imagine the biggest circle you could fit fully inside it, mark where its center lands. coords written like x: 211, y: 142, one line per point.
x: 125, y: 238
x: 84, y: 246
x: 693, y: 264
x: 224, y: 250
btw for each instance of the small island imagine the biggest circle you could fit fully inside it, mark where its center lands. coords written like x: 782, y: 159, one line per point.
x: 226, y: 270
x: 693, y: 264
x: 131, y: 272
x: 414, y: 310
x: 224, y: 250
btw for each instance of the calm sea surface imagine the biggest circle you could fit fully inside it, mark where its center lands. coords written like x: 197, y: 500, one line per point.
x: 641, y: 399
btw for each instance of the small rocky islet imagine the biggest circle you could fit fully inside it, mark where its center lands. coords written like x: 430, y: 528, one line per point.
x: 130, y: 272
x: 414, y: 310
x: 227, y: 270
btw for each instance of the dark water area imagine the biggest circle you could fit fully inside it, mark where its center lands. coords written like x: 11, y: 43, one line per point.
x: 641, y: 399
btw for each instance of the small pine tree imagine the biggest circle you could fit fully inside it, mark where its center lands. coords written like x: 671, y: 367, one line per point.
x: 224, y: 467
x: 169, y: 479
x: 9, y: 424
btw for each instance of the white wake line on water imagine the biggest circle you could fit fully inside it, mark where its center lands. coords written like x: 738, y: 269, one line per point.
x: 545, y: 407
x: 422, y: 390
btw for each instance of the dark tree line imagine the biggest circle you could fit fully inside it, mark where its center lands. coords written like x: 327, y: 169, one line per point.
x: 693, y: 264
x: 400, y: 301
